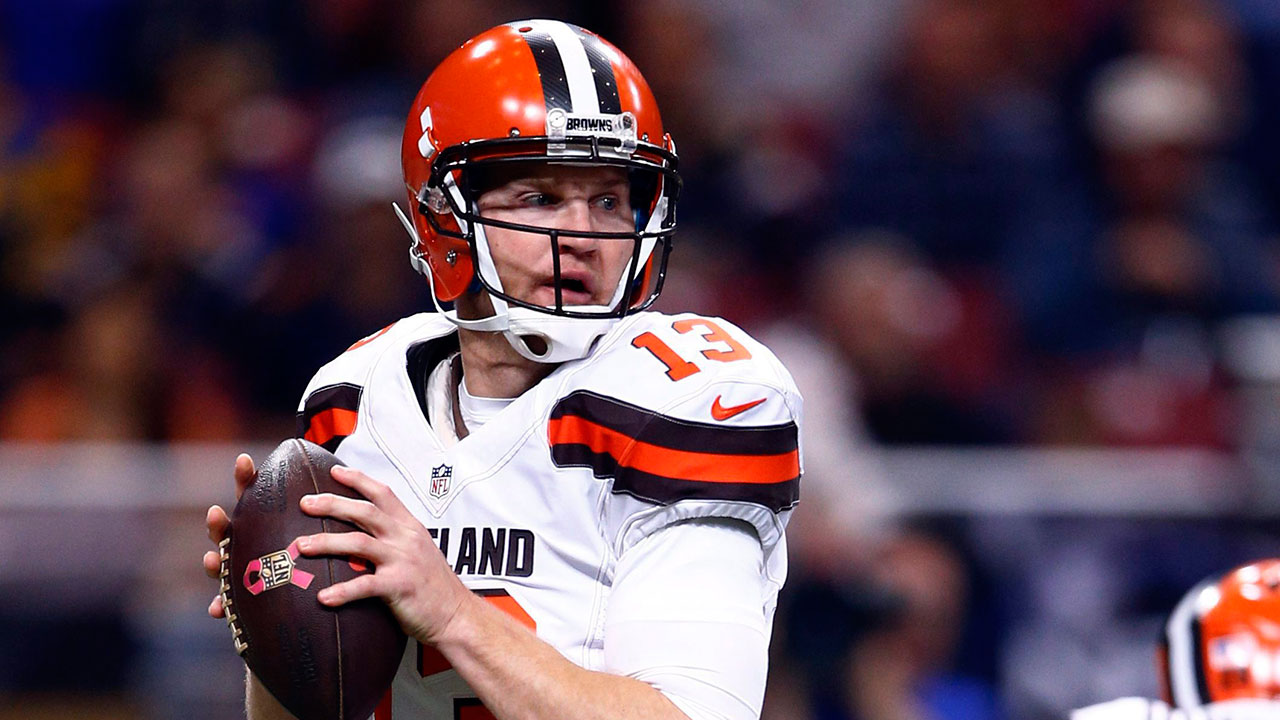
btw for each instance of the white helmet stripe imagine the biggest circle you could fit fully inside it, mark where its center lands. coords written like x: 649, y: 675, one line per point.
x: 1184, y: 646
x: 577, y: 68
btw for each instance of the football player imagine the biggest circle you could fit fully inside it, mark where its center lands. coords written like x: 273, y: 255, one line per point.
x: 576, y: 507
x: 1219, y: 656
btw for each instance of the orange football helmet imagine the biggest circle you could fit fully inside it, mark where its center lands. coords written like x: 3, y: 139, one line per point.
x: 1222, y: 641
x: 534, y: 91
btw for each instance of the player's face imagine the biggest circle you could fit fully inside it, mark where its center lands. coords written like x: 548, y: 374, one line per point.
x: 563, y: 197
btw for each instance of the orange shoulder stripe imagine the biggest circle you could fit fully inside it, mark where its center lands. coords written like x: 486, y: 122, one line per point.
x: 673, y: 463
x: 330, y: 423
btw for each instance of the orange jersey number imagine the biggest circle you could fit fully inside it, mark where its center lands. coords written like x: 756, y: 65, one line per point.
x: 430, y: 661
x: 723, y: 347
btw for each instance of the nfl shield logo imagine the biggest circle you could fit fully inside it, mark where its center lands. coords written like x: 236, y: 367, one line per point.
x: 440, y: 477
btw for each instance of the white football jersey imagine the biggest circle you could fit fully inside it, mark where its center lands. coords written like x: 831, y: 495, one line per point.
x: 670, y: 418
x: 1134, y: 708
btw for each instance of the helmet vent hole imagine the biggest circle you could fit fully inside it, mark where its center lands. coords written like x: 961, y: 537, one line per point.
x: 525, y: 29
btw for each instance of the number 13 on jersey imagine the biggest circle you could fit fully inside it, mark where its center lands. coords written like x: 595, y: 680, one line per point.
x: 721, y: 347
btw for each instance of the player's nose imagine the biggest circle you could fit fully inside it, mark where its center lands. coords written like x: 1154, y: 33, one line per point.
x: 576, y: 217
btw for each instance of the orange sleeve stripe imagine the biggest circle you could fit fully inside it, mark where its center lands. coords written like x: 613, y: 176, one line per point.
x: 331, y: 423
x: 508, y: 605
x: 667, y: 462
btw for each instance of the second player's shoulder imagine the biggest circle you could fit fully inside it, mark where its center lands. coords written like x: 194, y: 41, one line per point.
x: 1135, y: 708
x: 694, y: 366
x: 1130, y: 708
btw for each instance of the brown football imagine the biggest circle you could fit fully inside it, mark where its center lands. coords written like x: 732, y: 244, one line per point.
x: 321, y: 663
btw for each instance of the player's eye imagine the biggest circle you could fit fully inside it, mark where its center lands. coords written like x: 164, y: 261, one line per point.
x: 538, y: 199
x: 608, y: 202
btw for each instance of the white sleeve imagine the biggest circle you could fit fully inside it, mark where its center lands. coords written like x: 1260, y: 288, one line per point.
x: 690, y: 615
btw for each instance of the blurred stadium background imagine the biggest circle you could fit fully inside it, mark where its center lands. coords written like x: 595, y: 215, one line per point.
x: 1021, y: 255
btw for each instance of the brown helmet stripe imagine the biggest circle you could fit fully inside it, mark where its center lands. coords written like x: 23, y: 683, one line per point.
x: 555, y: 83
x: 602, y: 73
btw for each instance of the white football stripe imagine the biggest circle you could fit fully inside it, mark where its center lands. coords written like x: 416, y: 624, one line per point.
x: 577, y: 69
x: 1182, y: 650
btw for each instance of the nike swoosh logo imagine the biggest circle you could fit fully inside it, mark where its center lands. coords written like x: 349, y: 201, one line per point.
x: 721, y: 412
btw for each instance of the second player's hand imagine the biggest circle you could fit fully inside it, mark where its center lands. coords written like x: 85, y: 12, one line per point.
x: 410, y: 574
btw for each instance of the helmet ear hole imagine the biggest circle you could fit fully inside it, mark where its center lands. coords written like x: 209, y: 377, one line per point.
x: 433, y: 200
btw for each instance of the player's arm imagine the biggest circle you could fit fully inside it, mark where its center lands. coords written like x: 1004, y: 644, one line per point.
x: 518, y: 676
x: 259, y: 703
x: 686, y: 635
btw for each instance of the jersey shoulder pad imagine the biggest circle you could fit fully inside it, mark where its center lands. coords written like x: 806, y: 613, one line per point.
x: 683, y: 407
x: 687, y: 417
x: 676, y: 363
x: 329, y: 409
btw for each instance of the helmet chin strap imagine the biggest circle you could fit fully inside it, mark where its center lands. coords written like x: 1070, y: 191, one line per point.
x: 563, y: 338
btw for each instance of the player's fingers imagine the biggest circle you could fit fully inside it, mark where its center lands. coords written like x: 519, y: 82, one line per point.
x: 216, y: 521
x: 244, y: 473
x: 357, y: 544
x: 363, y: 586
x: 212, y: 564
x: 378, y: 493
x: 215, y: 607
x: 361, y: 512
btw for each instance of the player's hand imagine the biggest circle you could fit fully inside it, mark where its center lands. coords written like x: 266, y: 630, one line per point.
x: 216, y: 521
x: 410, y: 574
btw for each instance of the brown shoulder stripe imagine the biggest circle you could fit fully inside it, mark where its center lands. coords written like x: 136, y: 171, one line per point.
x: 329, y: 415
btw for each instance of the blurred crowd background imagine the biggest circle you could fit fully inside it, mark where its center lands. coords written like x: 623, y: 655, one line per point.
x: 976, y: 230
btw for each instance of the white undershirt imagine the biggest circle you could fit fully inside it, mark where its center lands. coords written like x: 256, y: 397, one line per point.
x: 476, y: 411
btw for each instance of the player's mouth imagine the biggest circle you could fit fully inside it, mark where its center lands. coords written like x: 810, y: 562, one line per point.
x: 576, y: 288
